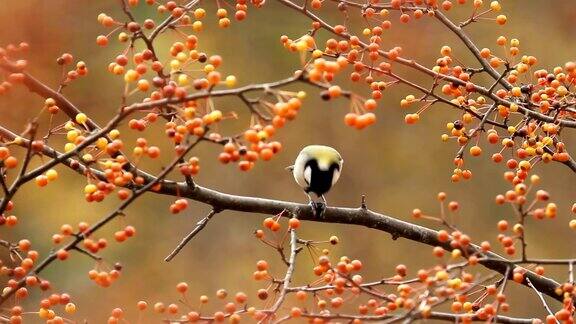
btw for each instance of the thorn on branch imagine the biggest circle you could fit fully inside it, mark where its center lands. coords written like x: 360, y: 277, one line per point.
x: 363, y: 205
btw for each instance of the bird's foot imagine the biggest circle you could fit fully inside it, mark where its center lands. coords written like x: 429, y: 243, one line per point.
x: 318, y: 208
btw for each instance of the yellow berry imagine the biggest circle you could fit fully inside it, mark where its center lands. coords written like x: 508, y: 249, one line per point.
x: 87, y: 157
x: 199, y: 13
x: 123, y: 37
x: 209, y: 68
x: 101, y: 143
x: 72, y: 135
x: 441, y: 275
x: 51, y: 175
x: 183, y: 80
x: 230, y: 81
x: 131, y: 76
x: 456, y: 253
x: 197, y: 26
x: 495, y: 6
x: 90, y: 188
x: 70, y: 308
x: 114, y: 134
x: 69, y: 147
x: 81, y: 118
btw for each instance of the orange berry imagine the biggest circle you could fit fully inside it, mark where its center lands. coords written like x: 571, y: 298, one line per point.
x: 502, y: 225
x: 370, y: 104
x: 336, y: 302
x: 492, y: 137
x: 41, y: 180
x: 475, y: 150
x: 245, y: 165
x: 117, y: 313
x: 182, y: 287
x: 404, y: 18
x: 266, y: 154
x: 295, y: 312
x: 240, y: 297
x: 10, y: 162
x: 4, y: 152
x: 563, y: 315
x: 268, y: 222
x: 411, y: 119
x: 443, y: 236
x: 62, y: 254
x: 334, y: 91
x: 294, y: 223
x: 251, y: 136
x: 142, y: 305
x: 153, y: 152
x: 275, y: 226
x: 102, y: 40
x: 120, y: 236
x: 301, y: 295
x: 350, y: 119
x: 159, y: 308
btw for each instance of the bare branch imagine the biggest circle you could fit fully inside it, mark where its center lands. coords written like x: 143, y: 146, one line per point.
x: 289, y: 273
x: 541, y: 299
x: 199, y: 226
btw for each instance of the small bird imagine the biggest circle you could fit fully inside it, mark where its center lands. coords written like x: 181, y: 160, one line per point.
x: 316, y: 169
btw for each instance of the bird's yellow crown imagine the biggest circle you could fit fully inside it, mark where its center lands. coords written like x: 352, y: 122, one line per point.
x: 325, y: 155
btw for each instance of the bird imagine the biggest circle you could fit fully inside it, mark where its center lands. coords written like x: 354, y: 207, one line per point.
x: 316, y: 170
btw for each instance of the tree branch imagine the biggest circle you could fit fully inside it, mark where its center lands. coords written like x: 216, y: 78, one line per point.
x: 353, y: 216
x: 288, y: 277
x: 199, y: 226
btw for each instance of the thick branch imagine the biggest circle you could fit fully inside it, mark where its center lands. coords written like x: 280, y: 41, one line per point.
x: 353, y: 216
x: 415, y: 316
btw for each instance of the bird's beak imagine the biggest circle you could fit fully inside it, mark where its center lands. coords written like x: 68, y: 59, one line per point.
x: 290, y: 168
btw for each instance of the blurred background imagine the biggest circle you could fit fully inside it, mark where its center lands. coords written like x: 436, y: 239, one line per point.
x: 398, y: 167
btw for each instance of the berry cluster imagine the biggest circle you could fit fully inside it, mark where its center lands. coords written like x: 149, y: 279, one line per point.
x: 523, y: 111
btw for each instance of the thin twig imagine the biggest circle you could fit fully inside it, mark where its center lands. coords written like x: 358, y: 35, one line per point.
x: 541, y: 299
x: 199, y: 226
x: 288, y: 276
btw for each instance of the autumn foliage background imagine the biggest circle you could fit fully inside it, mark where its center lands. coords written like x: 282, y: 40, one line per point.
x: 398, y: 167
